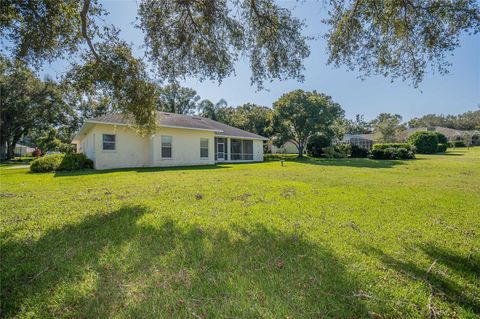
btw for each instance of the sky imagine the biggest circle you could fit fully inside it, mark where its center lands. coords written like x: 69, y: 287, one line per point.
x: 454, y: 93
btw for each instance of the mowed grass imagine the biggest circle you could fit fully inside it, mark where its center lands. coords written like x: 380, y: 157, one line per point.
x: 312, y: 239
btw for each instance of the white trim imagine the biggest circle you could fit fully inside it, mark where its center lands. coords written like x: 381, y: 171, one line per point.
x: 190, y: 128
x: 243, y: 138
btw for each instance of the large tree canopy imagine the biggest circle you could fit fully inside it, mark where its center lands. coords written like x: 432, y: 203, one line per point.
x: 298, y: 115
x: 386, y: 127
x: 205, y: 39
x: 174, y: 98
x: 26, y: 104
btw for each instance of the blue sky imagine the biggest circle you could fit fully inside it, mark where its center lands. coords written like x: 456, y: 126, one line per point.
x: 454, y: 93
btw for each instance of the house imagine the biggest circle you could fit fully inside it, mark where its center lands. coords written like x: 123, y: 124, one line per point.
x: 22, y: 150
x: 365, y: 141
x: 112, y: 141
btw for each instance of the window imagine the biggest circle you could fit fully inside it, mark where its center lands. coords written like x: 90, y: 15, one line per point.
x: 166, y: 147
x: 109, y: 142
x: 204, y: 148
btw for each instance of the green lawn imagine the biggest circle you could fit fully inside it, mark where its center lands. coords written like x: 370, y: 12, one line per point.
x: 312, y: 239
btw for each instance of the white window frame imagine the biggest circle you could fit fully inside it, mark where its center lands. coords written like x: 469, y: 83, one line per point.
x: 114, y: 143
x: 202, y: 148
x: 161, y: 147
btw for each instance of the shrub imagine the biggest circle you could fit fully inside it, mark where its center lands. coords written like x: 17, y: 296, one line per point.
x: 424, y: 141
x: 316, y: 143
x: 74, y: 161
x: 392, y: 153
x: 48, y: 163
x: 337, y: 151
x: 358, y: 152
x: 441, y: 148
x: 459, y: 144
x: 394, y: 145
x: 442, y: 139
x: 60, y: 162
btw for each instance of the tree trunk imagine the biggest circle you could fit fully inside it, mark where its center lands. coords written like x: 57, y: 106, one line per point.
x: 3, y: 150
x: 300, y: 151
x: 10, y: 150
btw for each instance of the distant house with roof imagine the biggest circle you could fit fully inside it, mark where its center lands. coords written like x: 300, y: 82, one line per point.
x: 111, y: 141
x: 365, y: 141
x: 22, y: 150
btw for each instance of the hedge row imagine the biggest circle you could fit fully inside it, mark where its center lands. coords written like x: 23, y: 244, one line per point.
x: 392, y: 151
x: 60, y: 162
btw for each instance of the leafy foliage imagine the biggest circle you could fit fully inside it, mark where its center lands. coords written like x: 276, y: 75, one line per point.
x: 425, y: 142
x: 316, y: 144
x: 74, y: 161
x: 60, y: 162
x: 358, y: 152
x: 205, y: 39
x: 120, y: 76
x: 386, y: 126
x: 47, y: 163
x: 398, y: 39
x: 466, y: 121
x: 392, y: 151
x: 442, y: 148
x: 176, y: 99
x: 358, y: 125
x: 337, y: 151
x: 298, y: 115
x: 27, y: 104
x: 249, y: 117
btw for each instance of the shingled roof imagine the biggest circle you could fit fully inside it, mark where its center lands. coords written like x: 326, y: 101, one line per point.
x: 181, y: 121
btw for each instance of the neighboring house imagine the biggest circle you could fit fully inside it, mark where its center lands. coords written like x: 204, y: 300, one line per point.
x: 287, y: 148
x: 22, y: 150
x: 365, y: 141
x: 111, y: 141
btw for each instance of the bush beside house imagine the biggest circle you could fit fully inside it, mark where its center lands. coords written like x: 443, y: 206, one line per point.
x: 60, y: 162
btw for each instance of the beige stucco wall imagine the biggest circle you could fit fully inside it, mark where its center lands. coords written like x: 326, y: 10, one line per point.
x: 134, y: 150
x: 185, y: 147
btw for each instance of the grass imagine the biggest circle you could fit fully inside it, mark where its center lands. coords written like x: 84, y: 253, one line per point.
x: 316, y: 238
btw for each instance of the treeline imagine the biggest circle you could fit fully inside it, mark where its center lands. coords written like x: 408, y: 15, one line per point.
x: 466, y: 121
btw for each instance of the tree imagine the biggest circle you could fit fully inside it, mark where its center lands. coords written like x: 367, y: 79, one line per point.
x: 249, y: 117
x: 386, y: 126
x: 206, y: 38
x: 358, y: 125
x: 298, y: 115
x: 213, y: 111
x: 176, y: 99
x: 466, y: 121
x: 398, y: 39
x: 27, y: 103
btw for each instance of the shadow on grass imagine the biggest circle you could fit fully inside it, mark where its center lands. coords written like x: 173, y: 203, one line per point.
x: 348, y: 162
x: 119, y: 265
x: 139, y: 170
x: 442, y: 282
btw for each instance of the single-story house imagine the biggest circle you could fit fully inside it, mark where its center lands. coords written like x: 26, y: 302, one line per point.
x: 112, y: 141
x: 365, y: 141
x: 22, y: 150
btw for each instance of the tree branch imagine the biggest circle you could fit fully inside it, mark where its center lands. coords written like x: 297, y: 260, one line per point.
x: 84, y: 18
